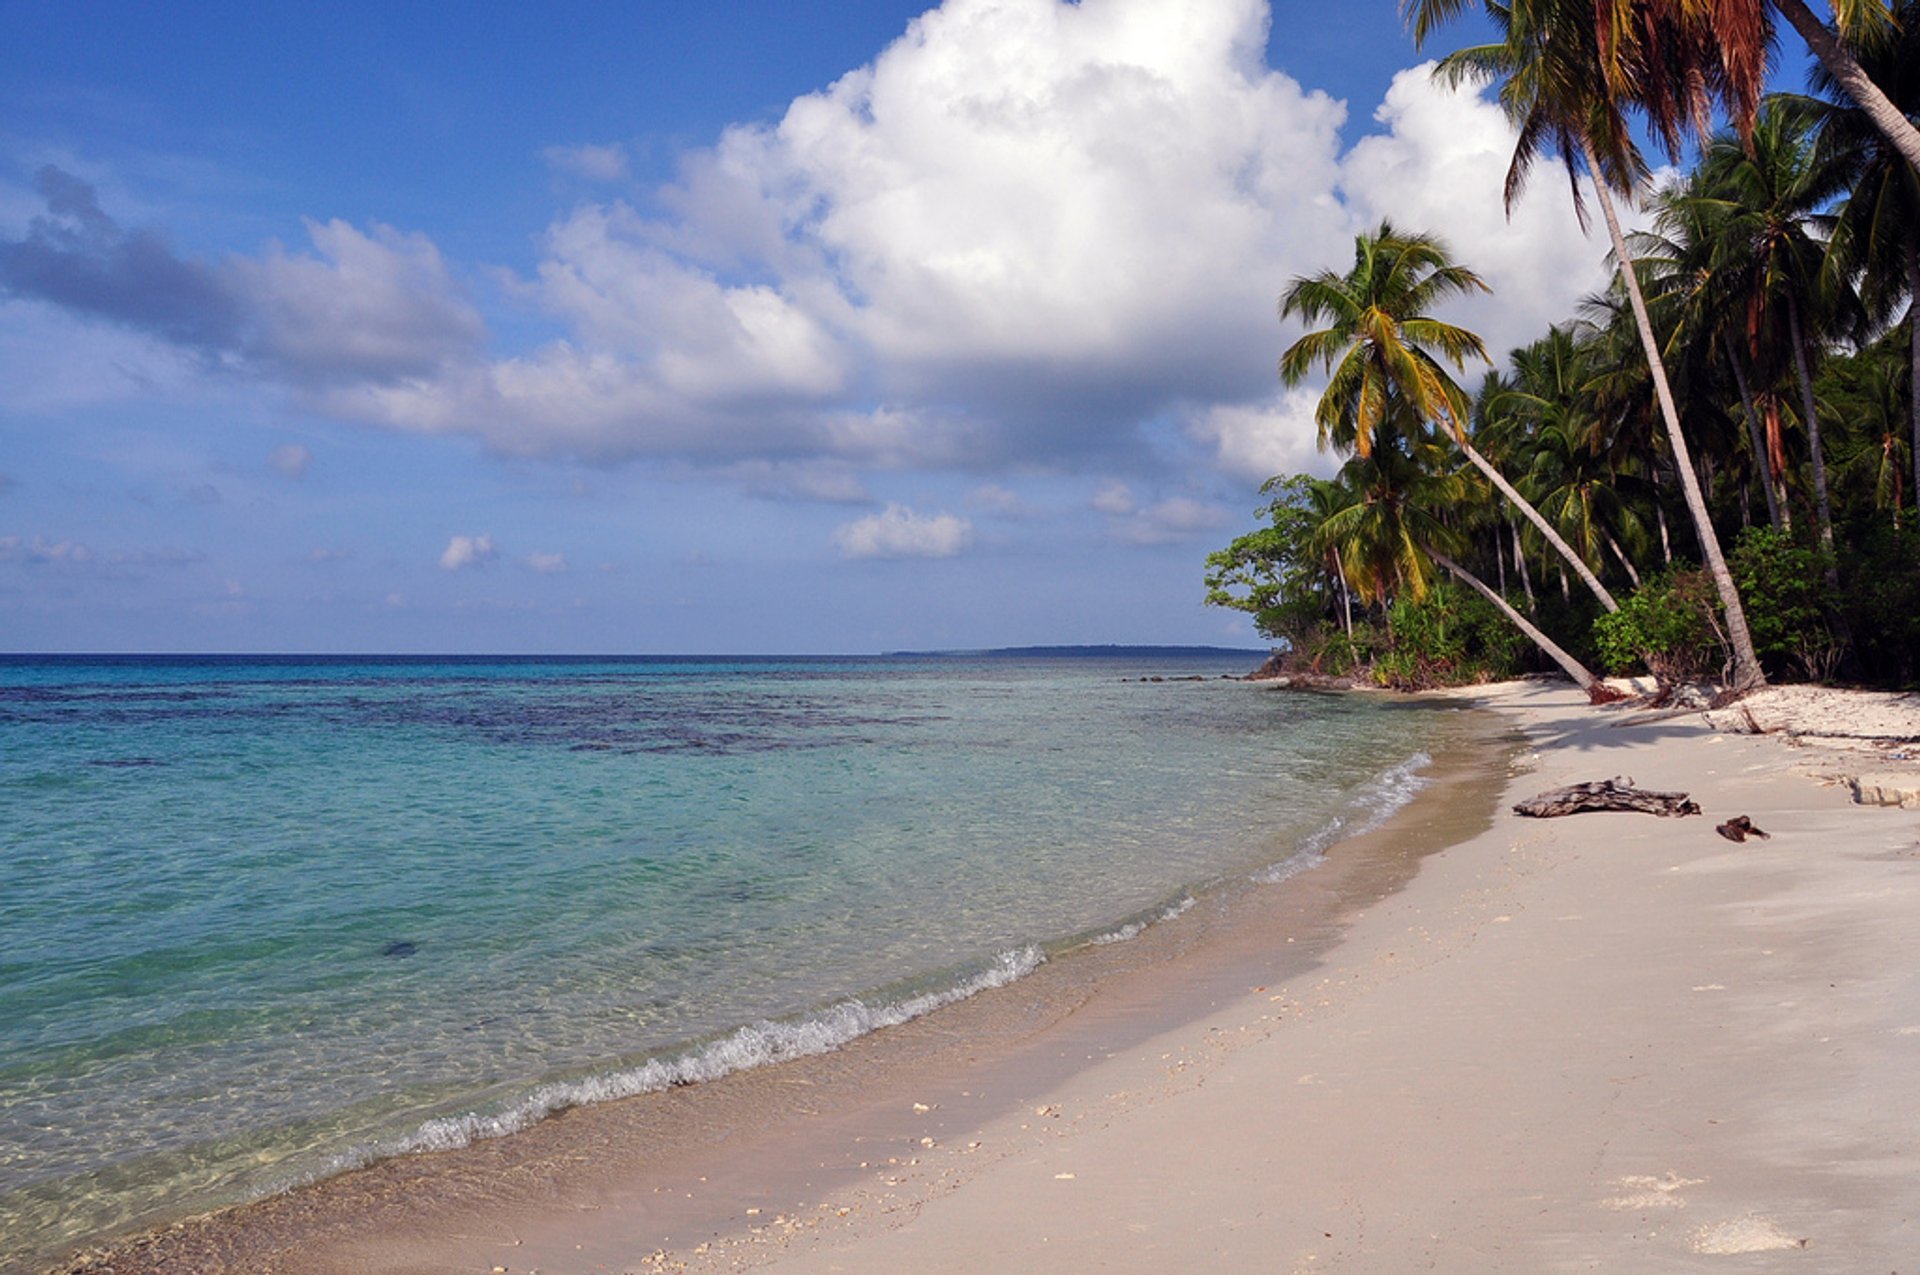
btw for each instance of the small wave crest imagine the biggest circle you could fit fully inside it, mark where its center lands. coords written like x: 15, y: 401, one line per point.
x: 754, y: 1045
x: 1374, y: 802
x: 1133, y: 929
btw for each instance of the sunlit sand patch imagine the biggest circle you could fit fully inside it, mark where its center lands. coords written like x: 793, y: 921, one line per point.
x: 1750, y: 1234
x: 1650, y: 1193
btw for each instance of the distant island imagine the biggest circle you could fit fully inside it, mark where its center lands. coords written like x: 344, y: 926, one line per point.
x: 1109, y: 651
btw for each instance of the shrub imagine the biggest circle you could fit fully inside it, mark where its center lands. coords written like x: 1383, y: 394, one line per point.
x: 1787, y: 602
x: 1449, y: 637
x: 1670, y: 626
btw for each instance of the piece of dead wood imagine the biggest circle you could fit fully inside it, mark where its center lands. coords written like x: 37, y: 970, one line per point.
x: 1617, y: 793
x: 1739, y: 828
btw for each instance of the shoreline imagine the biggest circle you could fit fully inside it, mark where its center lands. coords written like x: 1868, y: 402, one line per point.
x: 650, y: 1138
x: 1607, y: 1041
x: 1601, y: 1042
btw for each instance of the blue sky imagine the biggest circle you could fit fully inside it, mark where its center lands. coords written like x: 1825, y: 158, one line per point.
x: 746, y: 327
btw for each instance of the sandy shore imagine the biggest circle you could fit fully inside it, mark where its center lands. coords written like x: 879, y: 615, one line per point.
x: 1605, y: 1042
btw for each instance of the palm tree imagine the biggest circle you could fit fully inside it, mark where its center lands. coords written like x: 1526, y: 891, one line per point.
x: 1772, y: 189
x: 1678, y: 58
x: 1381, y: 345
x: 1570, y: 475
x: 1395, y: 533
x: 1862, y: 24
x: 1863, y: 395
x: 1553, y: 87
x: 1877, y: 232
x: 1681, y: 262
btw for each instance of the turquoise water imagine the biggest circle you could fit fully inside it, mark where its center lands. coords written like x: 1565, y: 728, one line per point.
x: 264, y: 919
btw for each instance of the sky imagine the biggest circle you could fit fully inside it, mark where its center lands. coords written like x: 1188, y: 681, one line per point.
x: 748, y: 327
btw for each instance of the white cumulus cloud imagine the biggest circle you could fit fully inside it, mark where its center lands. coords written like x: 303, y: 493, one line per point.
x: 1441, y: 168
x: 468, y: 551
x: 547, y: 564
x: 363, y: 306
x: 900, y: 532
x: 1022, y: 238
x: 1260, y: 439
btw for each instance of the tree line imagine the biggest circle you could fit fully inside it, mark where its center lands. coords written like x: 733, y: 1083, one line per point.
x: 1747, y: 380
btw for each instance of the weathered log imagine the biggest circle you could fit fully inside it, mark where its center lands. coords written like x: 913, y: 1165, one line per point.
x: 1617, y: 793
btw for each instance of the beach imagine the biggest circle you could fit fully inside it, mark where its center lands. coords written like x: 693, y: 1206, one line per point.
x: 1602, y: 1042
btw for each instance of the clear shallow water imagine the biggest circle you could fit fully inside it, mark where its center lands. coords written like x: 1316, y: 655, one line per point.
x: 260, y: 919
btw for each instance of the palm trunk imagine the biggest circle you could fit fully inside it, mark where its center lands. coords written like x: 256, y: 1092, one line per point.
x: 1533, y: 516
x: 1660, y: 516
x: 1852, y: 77
x: 1811, y: 411
x: 1913, y: 358
x: 1776, y: 457
x: 1747, y: 673
x: 1624, y: 561
x: 1346, y: 596
x: 1526, y: 577
x: 1760, y: 456
x: 1572, y: 667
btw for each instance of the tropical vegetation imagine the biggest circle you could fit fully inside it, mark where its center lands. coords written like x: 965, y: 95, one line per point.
x: 1712, y: 470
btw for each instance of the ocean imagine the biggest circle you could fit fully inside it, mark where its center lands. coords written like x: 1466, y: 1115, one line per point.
x: 264, y: 919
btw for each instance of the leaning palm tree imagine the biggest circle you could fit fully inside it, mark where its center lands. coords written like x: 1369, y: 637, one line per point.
x: 1381, y: 345
x: 1554, y: 88
x: 1395, y: 533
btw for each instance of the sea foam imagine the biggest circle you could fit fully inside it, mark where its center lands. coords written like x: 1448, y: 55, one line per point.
x: 754, y: 1045
x: 1373, y: 803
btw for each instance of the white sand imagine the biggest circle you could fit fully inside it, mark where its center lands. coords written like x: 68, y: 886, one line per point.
x: 1604, y: 1042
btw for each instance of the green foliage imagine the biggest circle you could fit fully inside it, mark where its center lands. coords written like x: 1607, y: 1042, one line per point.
x: 1782, y: 584
x: 1883, y: 613
x: 1449, y: 637
x: 1669, y: 626
x: 1326, y: 650
x: 1276, y: 573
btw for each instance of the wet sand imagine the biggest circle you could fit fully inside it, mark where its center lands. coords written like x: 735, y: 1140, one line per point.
x: 1604, y: 1042
x: 696, y: 1165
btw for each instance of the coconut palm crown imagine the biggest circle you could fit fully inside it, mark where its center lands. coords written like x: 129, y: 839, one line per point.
x: 1381, y: 342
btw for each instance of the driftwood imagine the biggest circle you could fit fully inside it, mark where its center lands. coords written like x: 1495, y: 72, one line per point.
x: 1739, y: 828
x: 1606, y: 794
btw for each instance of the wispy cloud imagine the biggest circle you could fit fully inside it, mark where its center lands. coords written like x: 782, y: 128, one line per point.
x: 1170, y: 521
x: 41, y: 550
x: 291, y: 459
x: 599, y: 163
